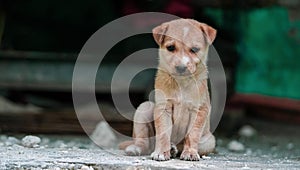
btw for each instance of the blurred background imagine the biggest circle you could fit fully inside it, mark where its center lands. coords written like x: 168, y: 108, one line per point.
x: 258, y: 42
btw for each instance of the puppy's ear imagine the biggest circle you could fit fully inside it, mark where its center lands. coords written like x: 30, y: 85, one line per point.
x: 209, y: 32
x: 159, y: 33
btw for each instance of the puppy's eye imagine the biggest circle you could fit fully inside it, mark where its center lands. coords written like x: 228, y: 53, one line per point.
x: 171, y: 48
x: 194, y: 50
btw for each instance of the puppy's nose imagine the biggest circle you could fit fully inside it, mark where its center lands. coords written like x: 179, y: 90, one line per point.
x: 180, y: 69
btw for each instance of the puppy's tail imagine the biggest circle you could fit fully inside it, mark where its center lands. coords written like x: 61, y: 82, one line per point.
x: 123, y: 145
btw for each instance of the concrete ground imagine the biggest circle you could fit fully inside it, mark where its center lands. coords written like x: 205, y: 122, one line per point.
x: 274, y: 146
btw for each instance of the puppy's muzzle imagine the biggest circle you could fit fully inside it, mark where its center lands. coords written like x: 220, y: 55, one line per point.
x: 180, y: 69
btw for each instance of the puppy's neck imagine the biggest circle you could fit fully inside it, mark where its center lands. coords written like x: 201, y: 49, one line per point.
x: 165, y: 79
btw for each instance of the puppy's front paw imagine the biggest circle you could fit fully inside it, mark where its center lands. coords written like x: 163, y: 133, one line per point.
x: 161, y: 156
x: 190, y: 155
x: 133, y: 150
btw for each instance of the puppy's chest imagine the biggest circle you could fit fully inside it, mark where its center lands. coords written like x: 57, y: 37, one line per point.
x: 187, y: 97
x: 185, y: 108
x: 186, y: 101
x: 182, y: 118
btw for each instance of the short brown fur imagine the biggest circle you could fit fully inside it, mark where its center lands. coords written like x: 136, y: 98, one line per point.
x: 181, y: 111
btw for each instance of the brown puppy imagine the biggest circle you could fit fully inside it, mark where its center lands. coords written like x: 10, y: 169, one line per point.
x: 182, y: 105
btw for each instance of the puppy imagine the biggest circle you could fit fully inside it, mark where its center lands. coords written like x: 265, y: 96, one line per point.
x: 181, y: 112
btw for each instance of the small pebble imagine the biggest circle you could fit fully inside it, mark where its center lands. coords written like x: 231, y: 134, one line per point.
x: 247, y: 131
x: 235, y: 146
x: 290, y: 146
x: 59, y: 144
x: 136, y: 161
x: 246, y: 167
x: 248, y: 151
x: 205, y: 157
x: 16, y: 146
x: 84, y: 167
x: 12, y: 141
x: 43, y: 166
x: 103, y: 135
x: 75, y: 147
x: 3, y: 138
x: 31, y: 141
x: 274, y: 148
x: 71, y: 166
x: 65, y: 152
x: 45, y: 141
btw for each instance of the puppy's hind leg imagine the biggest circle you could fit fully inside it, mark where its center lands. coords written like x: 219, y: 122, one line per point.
x: 143, y: 131
x: 207, y: 144
x: 207, y: 141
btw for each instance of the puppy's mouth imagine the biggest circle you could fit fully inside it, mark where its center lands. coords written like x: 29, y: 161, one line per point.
x: 181, y: 70
x: 182, y: 74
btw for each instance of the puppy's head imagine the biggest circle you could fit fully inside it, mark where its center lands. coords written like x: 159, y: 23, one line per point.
x: 183, y: 45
